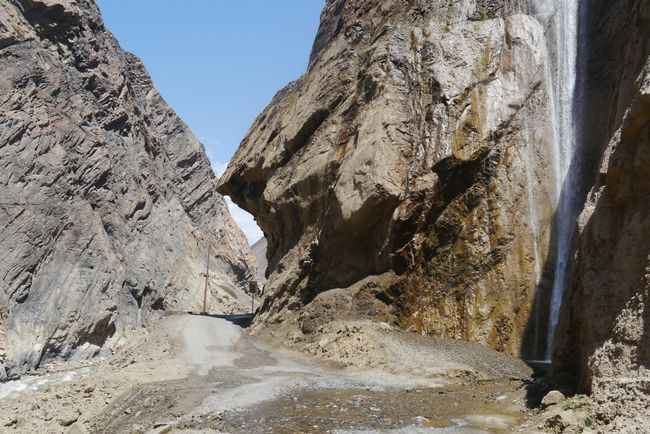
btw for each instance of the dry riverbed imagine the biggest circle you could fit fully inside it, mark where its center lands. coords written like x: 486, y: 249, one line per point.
x: 195, y: 374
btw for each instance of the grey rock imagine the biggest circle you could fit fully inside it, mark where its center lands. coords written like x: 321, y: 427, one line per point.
x: 161, y: 429
x: 76, y: 428
x: 107, y: 200
x: 259, y: 250
x: 553, y: 397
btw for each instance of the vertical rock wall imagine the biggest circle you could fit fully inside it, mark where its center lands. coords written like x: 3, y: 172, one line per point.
x: 107, y: 201
x: 603, y: 338
x: 414, y: 152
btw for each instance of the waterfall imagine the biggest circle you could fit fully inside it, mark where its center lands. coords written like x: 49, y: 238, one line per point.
x: 561, y: 19
x: 534, y: 224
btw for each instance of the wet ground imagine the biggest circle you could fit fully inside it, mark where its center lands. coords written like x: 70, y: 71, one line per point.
x: 204, y: 375
x: 27, y: 384
x: 478, y: 408
x: 250, y: 388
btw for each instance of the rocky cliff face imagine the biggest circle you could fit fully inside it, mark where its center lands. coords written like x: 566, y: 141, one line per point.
x: 107, y: 201
x: 604, y: 335
x: 411, y: 164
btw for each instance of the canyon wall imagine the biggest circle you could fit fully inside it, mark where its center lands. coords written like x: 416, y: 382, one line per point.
x: 408, y: 174
x: 107, y: 201
x: 603, y: 338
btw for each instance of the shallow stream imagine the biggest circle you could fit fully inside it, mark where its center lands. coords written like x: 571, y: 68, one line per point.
x: 478, y: 409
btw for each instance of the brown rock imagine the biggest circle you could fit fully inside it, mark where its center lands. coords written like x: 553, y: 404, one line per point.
x: 603, y: 338
x: 406, y: 148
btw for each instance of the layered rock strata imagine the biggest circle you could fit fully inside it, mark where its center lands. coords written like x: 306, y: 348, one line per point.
x: 107, y: 201
x: 411, y: 164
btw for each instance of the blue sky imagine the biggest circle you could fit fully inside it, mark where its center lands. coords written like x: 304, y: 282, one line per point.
x: 218, y: 63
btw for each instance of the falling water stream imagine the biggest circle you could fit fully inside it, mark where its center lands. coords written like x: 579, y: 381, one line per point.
x: 561, y: 19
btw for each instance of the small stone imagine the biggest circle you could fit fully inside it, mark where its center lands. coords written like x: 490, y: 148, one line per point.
x: 76, y: 428
x: 68, y: 420
x: 420, y: 420
x: 161, y: 429
x: 553, y: 397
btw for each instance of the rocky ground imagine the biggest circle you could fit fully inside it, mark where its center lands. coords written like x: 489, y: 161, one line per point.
x: 198, y: 374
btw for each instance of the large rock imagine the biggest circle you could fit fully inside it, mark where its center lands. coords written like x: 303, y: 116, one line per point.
x: 604, y: 335
x: 107, y: 201
x: 415, y: 148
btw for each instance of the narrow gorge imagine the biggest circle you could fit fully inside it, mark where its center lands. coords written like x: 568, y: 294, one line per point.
x: 455, y: 201
x: 470, y: 170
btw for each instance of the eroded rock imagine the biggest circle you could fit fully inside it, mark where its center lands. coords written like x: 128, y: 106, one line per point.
x: 107, y: 200
x: 603, y: 337
x: 408, y: 148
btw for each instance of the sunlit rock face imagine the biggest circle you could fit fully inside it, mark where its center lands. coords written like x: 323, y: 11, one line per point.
x: 107, y: 201
x: 604, y: 334
x: 415, y: 152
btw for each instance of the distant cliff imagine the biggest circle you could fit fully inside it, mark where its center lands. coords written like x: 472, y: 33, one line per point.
x: 107, y: 201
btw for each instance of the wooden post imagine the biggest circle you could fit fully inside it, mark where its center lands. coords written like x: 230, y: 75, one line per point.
x: 207, y: 274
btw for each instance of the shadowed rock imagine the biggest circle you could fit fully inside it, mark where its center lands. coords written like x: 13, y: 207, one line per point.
x: 406, y: 152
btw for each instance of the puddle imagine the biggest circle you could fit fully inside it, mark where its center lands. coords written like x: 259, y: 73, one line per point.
x: 29, y: 384
x: 463, y: 410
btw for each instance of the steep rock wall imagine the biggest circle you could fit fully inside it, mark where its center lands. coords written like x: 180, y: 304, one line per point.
x: 107, y: 201
x: 603, y: 338
x: 414, y: 154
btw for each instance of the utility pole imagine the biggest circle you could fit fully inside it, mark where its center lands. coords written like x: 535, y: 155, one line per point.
x: 207, y: 274
x: 252, y: 288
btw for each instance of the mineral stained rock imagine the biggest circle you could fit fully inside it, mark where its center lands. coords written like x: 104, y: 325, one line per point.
x: 604, y: 334
x: 414, y: 152
x: 107, y: 201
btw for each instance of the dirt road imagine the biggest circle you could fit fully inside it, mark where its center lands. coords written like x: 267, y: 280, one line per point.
x: 197, y: 374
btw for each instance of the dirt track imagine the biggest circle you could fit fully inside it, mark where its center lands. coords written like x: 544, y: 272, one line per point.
x: 201, y: 374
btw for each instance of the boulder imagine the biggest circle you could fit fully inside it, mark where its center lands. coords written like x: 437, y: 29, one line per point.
x: 553, y: 397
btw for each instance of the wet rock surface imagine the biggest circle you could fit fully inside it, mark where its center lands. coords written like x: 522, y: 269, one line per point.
x: 603, y: 337
x: 406, y: 148
x: 339, y: 411
x: 107, y: 201
x: 407, y: 177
